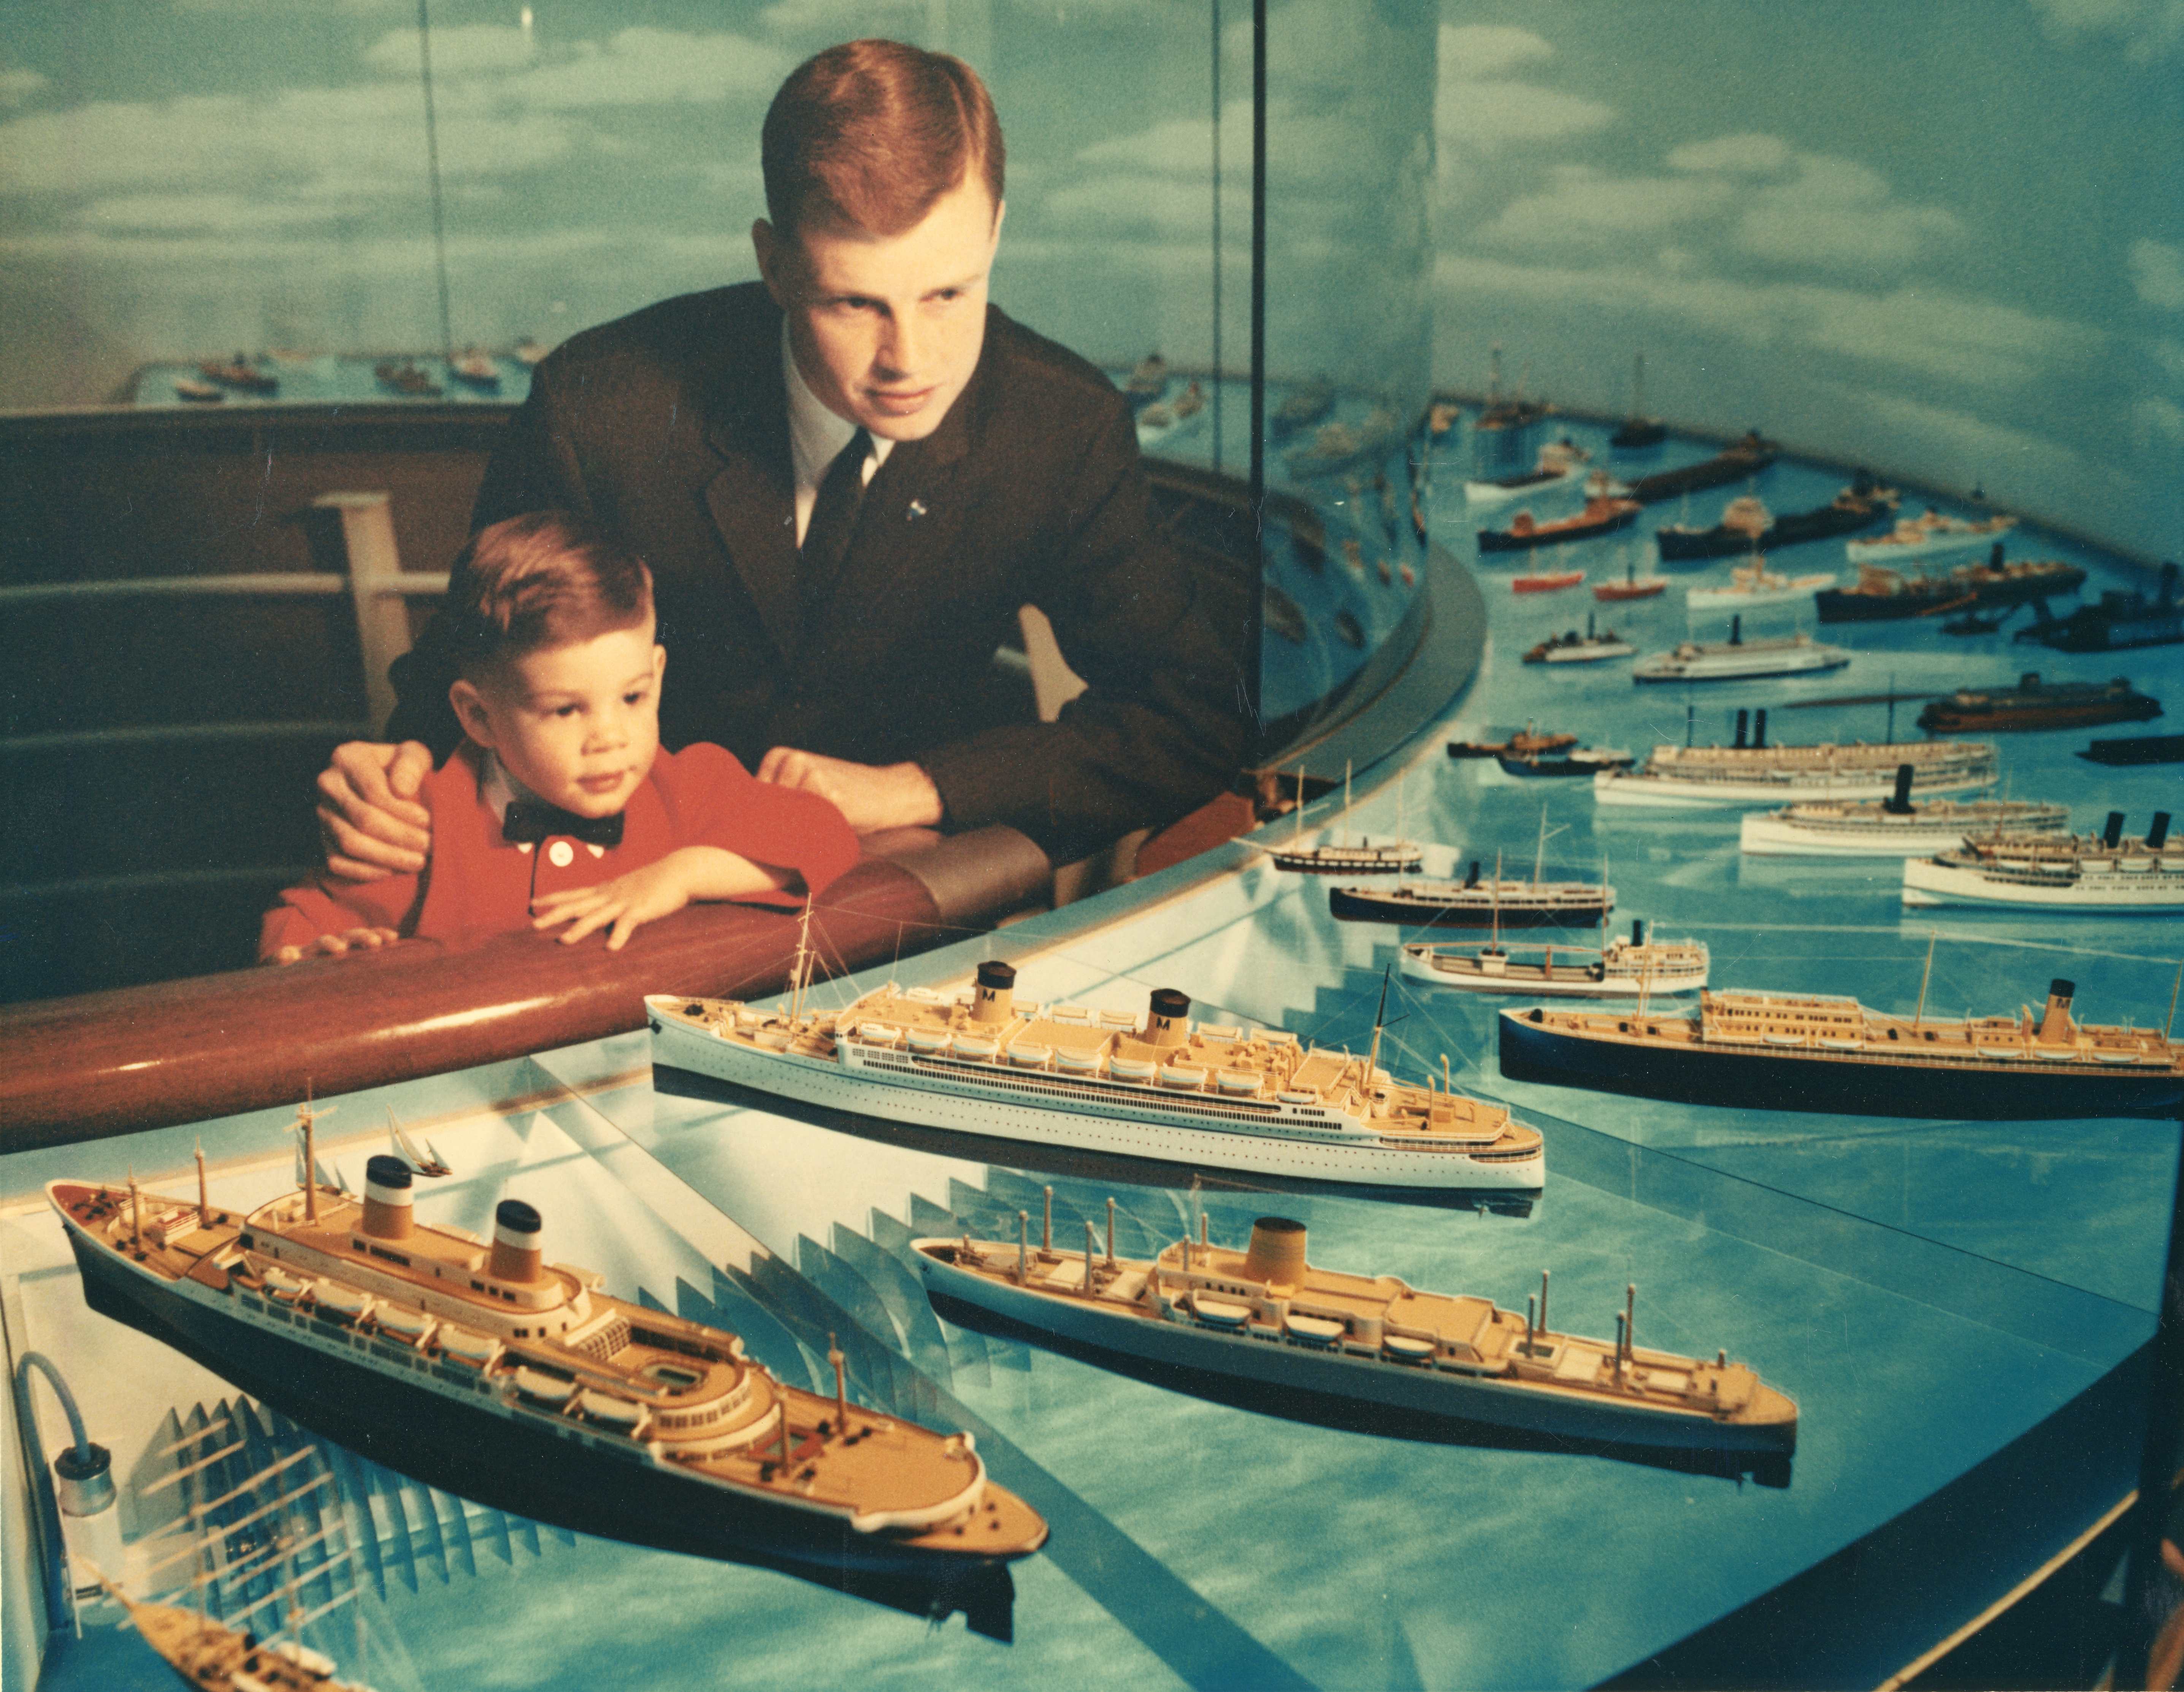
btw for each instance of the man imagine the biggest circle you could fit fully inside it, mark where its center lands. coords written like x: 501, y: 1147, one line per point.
x: 846, y: 478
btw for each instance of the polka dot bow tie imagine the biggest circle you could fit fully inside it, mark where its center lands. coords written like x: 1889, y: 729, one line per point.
x: 527, y: 822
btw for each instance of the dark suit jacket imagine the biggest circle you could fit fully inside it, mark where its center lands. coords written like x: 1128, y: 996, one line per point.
x: 670, y: 428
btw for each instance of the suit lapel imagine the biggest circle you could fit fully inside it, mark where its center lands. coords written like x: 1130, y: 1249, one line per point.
x: 753, y: 497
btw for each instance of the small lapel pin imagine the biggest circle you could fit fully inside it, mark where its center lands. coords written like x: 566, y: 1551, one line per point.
x: 916, y: 509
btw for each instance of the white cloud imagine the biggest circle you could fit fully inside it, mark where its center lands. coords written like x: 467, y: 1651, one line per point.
x: 2157, y: 273
x: 1583, y: 208
x: 2148, y: 29
x: 458, y: 50
x: 1476, y: 111
x: 214, y: 212
x: 649, y: 67
x: 2170, y: 356
x: 19, y: 84
x: 1475, y: 51
x: 1739, y: 155
x: 2155, y: 421
x: 1787, y: 231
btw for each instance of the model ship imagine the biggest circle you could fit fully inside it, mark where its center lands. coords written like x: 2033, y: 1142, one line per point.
x: 2104, y: 872
x: 1266, y: 1317
x: 1754, y: 584
x: 1560, y: 461
x: 1880, y: 594
x: 212, y: 1655
x: 1525, y: 742
x: 1747, y: 526
x: 1632, y: 587
x: 474, y: 368
x: 2033, y: 703
x: 1576, y: 761
x: 1898, y: 827
x: 1638, y: 431
x: 2142, y: 748
x: 1147, y: 382
x: 1737, y: 659
x: 1213, y: 1097
x: 1601, y: 515
x: 401, y: 376
x: 2118, y: 620
x: 1738, y: 459
x: 1762, y: 775
x: 1572, y: 647
x: 1338, y: 446
x: 480, y: 1368
x: 1545, y: 580
x: 241, y: 373
x: 1162, y: 417
x: 1622, y: 969
x: 1341, y: 856
x: 1783, y: 1051
x: 1504, y: 421
x: 1476, y: 902
x: 1926, y: 535
x: 198, y: 393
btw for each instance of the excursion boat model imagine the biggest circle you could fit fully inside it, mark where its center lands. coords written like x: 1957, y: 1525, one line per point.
x: 1341, y: 856
x: 2093, y: 873
x: 1737, y: 659
x: 1754, y: 584
x: 1266, y: 1316
x: 1782, y: 1051
x: 1747, y: 526
x: 1622, y: 969
x: 1601, y: 515
x: 2118, y: 620
x: 1638, y: 431
x: 1926, y: 536
x: 1881, y: 595
x: 2033, y: 703
x: 1209, y: 1096
x: 480, y: 1368
x: 1761, y: 775
x: 1572, y: 647
x: 1741, y: 459
x: 1898, y: 827
x: 1477, y: 903
x: 1560, y: 461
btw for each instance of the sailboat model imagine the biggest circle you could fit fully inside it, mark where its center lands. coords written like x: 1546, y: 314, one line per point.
x: 1473, y: 903
x: 1341, y: 856
x: 427, y: 1162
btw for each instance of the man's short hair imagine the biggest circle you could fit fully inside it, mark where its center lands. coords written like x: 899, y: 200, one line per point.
x: 870, y: 133
x: 543, y: 579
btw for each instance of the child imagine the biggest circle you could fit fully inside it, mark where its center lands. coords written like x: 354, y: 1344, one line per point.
x: 559, y: 807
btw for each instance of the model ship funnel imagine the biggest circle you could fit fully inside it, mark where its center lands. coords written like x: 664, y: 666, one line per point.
x: 1277, y: 1254
x: 516, y: 1249
x: 2055, y: 1021
x: 1759, y: 729
x: 1168, y: 1023
x: 1900, y: 805
x: 387, y: 1197
x: 2159, y: 832
x: 996, y: 994
x: 1743, y: 719
x: 2112, y: 834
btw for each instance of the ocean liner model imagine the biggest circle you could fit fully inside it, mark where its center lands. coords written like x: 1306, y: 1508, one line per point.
x: 1740, y: 459
x: 1786, y: 1051
x: 482, y: 1369
x: 1881, y: 595
x: 1926, y: 536
x: 1216, y: 1097
x: 1602, y: 515
x: 1265, y: 1316
x: 1738, y: 660
x: 1341, y: 856
x: 1898, y: 827
x: 1762, y: 775
x: 2102, y: 872
x: 1622, y: 969
x: 1747, y: 526
x: 1754, y: 584
x: 2033, y: 703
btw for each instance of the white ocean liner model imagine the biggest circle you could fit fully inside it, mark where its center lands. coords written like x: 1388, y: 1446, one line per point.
x: 1762, y: 775
x: 2093, y: 873
x: 1898, y: 827
x: 1201, y: 1094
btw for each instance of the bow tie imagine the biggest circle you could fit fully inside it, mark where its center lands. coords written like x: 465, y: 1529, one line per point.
x: 531, y: 820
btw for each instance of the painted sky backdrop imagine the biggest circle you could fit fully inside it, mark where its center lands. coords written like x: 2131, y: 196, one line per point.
x: 1946, y: 239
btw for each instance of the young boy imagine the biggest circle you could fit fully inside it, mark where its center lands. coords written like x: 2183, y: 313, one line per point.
x: 560, y: 806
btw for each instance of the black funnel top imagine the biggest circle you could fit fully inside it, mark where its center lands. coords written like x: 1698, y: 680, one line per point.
x: 517, y: 1216
x: 386, y: 1171
x: 1001, y: 977
x: 1168, y: 1001
x: 2061, y: 989
x: 1900, y: 805
x: 2112, y: 835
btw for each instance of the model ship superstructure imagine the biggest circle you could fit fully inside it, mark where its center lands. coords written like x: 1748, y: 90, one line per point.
x: 1163, y: 1087
x: 1758, y: 774
x: 1881, y: 595
x: 1266, y: 1317
x: 1898, y: 827
x: 2107, y: 871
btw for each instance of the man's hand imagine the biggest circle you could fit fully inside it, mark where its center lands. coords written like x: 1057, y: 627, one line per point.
x: 369, y: 817
x: 658, y: 889
x: 333, y: 945
x: 872, y: 796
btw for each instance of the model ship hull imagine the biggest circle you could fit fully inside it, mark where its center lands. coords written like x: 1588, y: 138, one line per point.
x: 1727, y: 664
x: 2140, y: 892
x: 1732, y: 465
x: 1931, y: 596
x: 1554, y: 534
x: 1546, y: 980
x: 1453, y: 905
x: 1845, y: 773
x: 1796, y: 529
x: 1848, y: 1083
x: 1589, y: 762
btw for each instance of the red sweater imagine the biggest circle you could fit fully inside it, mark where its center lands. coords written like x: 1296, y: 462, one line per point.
x: 477, y: 882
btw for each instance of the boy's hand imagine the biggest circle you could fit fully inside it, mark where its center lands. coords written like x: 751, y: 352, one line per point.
x: 870, y: 796
x: 369, y: 816
x: 333, y: 945
x: 658, y: 889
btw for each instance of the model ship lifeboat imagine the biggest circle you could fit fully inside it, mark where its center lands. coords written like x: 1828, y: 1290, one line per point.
x: 1264, y: 1319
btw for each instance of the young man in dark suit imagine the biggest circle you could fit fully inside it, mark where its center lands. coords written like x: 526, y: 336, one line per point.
x: 846, y: 479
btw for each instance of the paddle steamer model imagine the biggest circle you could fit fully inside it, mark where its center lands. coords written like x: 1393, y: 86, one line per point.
x: 1747, y: 526
x: 1622, y: 969
x: 2033, y: 703
x: 2102, y: 872
x: 1927, y: 535
x: 1754, y: 584
x: 1738, y: 660
x: 1898, y: 827
x: 480, y: 1368
x: 1782, y: 1051
x: 1881, y: 595
x: 1760, y: 775
x: 1210, y: 1096
x: 1741, y: 459
x: 1266, y: 1317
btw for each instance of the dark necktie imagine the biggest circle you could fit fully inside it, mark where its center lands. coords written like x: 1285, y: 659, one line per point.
x: 528, y: 821
x: 833, y: 521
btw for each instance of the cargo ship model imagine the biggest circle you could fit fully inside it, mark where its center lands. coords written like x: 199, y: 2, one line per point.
x: 480, y: 1368
x: 1265, y: 1318
x: 1739, y: 659
x: 1926, y: 536
x: 1898, y: 827
x: 2143, y: 749
x: 1622, y: 969
x: 1759, y: 775
x: 2033, y: 703
x: 1560, y: 461
x: 1167, y: 1089
x: 2106, y: 873
x: 1786, y: 1051
x: 1754, y: 584
x: 1746, y: 457
x: 1881, y: 595
x: 1747, y: 526
x: 1603, y: 514
x: 2118, y: 622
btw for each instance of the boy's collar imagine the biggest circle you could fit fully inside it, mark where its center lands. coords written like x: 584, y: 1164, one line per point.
x: 500, y: 789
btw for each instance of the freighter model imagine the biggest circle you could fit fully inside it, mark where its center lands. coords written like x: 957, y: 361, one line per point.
x: 2102, y: 872
x: 1208, y: 1096
x: 1787, y: 1051
x: 1881, y: 595
x: 1925, y: 536
x: 1898, y: 827
x: 1622, y: 969
x: 1754, y: 584
x: 1265, y: 1318
x: 1747, y: 526
x: 1738, y: 660
x: 480, y: 1368
x: 1740, y: 459
x: 1602, y: 515
x: 2033, y: 703
x: 1760, y: 775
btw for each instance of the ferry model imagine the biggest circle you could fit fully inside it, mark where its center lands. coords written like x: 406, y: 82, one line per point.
x: 1740, y: 459
x: 2033, y: 703
x: 1760, y: 775
x: 1266, y: 1318
x: 1638, y: 431
x: 2118, y: 620
x: 1622, y: 969
x: 1592, y: 647
x: 1754, y: 584
x: 482, y: 1369
x: 1738, y: 660
x: 1881, y: 595
x: 1341, y: 856
x: 1560, y: 461
x: 1898, y: 827
x: 1747, y: 526
x: 1603, y: 514
x: 1208, y: 1096
x: 1787, y: 1051
x: 1926, y: 536
x: 2102, y: 872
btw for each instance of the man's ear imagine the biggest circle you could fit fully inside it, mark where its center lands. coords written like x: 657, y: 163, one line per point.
x: 470, y: 711
x: 659, y: 665
x: 766, y: 243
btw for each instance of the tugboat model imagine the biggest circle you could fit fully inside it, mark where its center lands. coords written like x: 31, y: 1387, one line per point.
x: 1266, y: 1318
x: 1779, y: 1051
x: 1622, y: 969
x: 1737, y: 659
x: 1341, y: 857
x: 1898, y: 827
x: 2033, y: 703
x: 486, y: 1371
x: 1214, y: 1097
x: 2096, y: 872
x: 1758, y: 774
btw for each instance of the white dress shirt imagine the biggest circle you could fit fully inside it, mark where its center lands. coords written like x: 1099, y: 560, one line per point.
x: 816, y: 438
